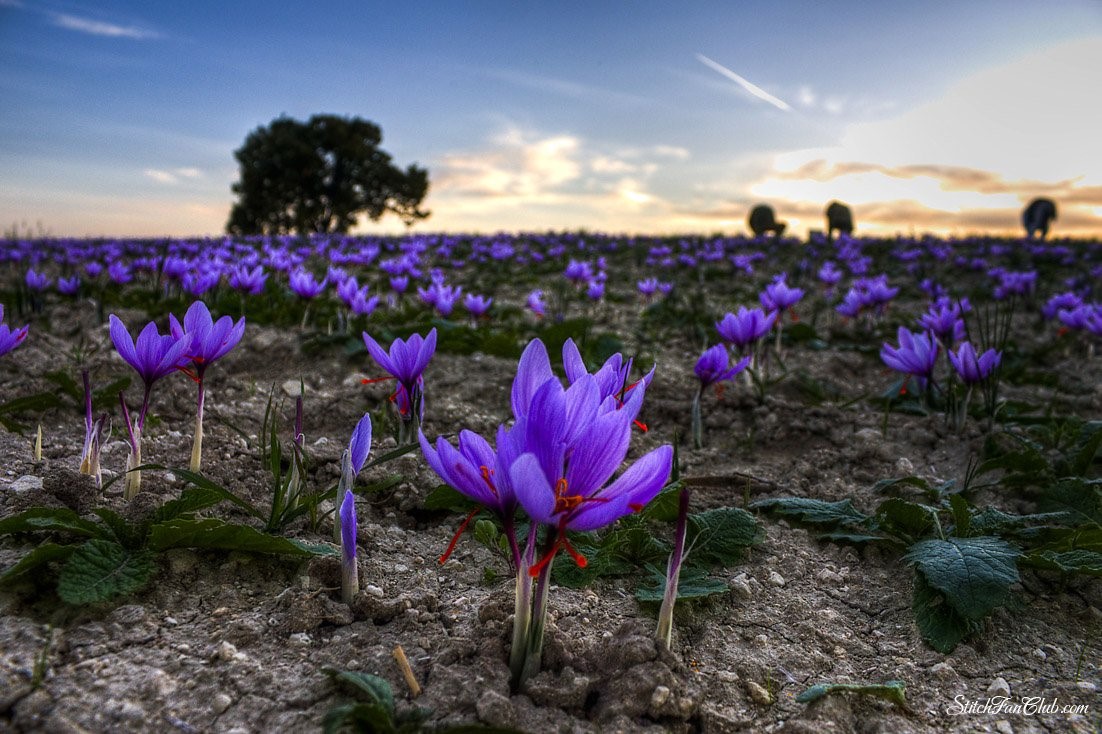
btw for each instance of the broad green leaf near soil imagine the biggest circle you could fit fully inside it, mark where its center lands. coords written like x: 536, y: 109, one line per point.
x: 941, y: 626
x: 693, y: 583
x: 721, y: 536
x: 214, y: 533
x: 100, y: 570
x: 973, y: 574
x: 51, y: 518
x: 42, y: 554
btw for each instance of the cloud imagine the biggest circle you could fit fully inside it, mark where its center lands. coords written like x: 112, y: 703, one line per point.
x: 172, y: 177
x: 100, y: 28
x: 750, y: 87
x: 564, y: 87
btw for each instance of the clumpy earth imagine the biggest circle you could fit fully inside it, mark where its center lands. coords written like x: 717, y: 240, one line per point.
x: 234, y: 642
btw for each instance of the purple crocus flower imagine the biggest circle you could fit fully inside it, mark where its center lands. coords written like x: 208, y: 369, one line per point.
x: 712, y: 367
x: 829, y: 274
x: 477, y: 305
x: 10, y: 339
x: 207, y: 341
x: 68, y: 286
x: 119, y: 273
x: 578, y: 272
x: 745, y: 326
x: 916, y: 354
x: 944, y: 319
x: 153, y: 356
x: 778, y: 296
x: 361, y: 304
x: 972, y: 368
x: 305, y: 285
x: 596, y: 290
x: 574, y: 445
x: 247, y: 280
x: 1069, y: 300
x: 648, y: 287
x: 535, y: 304
x: 405, y: 362
x: 36, y: 281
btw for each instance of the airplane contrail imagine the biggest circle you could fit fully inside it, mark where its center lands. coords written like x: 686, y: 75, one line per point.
x: 748, y: 86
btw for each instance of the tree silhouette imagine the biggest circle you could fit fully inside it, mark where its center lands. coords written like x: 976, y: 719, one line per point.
x: 319, y: 176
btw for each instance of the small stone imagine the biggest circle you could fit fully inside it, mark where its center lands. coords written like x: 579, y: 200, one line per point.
x: 830, y: 576
x: 375, y: 591
x: 26, y: 483
x: 999, y: 687
x: 221, y: 702
x: 943, y: 670
x: 741, y: 586
x: 759, y: 694
x: 226, y: 651
x: 659, y: 698
x: 904, y: 466
x: 776, y: 579
x: 1040, y: 654
x: 1086, y: 686
x: 292, y: 388
x: 1003, y: 727
x: 727, y: 676
x: 300, y: 638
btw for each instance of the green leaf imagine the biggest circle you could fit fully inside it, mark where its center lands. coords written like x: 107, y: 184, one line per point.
x: 941, y: 626
x: 394, y: 453
x: 382, y: 485
x: 360, y: 717
x: 664, y: 507
x: 1080, y: 498
x: 51, y: 518
x: 366, y: 687
x: 34, y: 403
x: 41, y: 555
x: 991, y: 521
x: 1088, y: 563
x: 893, y: 691
x: 101, y: 570
x: 962, y: 516
x: 108, y: 395
x: 446, y: 498
x: 1086, y: 448
x: 813, y: 511
x: 720, y: 536
x: 974, y: 574
x: 907, y: 519
x: 692, y: 583
x: 129, y: 536
x: 192, y: 499
x: 214, y: 533
x: 884, y: 485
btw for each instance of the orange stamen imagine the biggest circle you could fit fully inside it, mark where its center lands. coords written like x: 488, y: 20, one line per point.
x: 455, y: 538
x: 487, y: 476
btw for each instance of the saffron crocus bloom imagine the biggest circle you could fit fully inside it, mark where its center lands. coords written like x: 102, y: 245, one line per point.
x: 972, y: 368
x: 350, y: 572
x: 247, y: 280
x: 305, y: 285
x: 405, y: 362
x: 36, y: 281
x: 476, y: 305
x: 746, y: 326
x: 535, y: 304
x: 352, y: 463
x: 208, y: 340
x: 778, y: 296
x: 916, y: 354
x: 153, y: 356
x: 68, y: 286
x: 9, y: 339
x: 943, y: 318
x: 712, y: 367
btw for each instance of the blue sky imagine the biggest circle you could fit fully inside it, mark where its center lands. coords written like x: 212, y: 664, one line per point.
x: 121, y: 118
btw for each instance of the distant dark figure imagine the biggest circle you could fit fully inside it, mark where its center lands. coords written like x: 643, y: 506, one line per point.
x: 1037, y: 215
x: 840, y: 218
x: 762, y: 220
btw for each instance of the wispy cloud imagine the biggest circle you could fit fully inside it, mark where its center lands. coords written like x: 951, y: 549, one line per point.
x: 565, y: 87
x: 749, y: 86
x: 101, y: 28
x: 172, y: 176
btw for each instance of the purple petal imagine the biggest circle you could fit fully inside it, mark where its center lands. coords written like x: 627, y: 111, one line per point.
x: 123, y: 342
x: 532, y: 489
x: 348, y: 527
x: 598, y: 453
x: 360, y: 445
x: 379, y: 355
x: 572, y: 361
x: 533, y: 369
x: 635, y: 487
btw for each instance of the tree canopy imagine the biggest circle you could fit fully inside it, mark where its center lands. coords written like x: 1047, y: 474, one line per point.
x: 319, y: 176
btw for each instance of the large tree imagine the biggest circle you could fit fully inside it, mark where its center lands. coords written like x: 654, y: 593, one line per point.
x: 319, y: 176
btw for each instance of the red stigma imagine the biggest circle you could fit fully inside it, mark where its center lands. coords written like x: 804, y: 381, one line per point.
x: 635, y: 506
x: 560, y: 542
x: 373, y: 380
x: 487, y: 476
x: 192, y: 375
x: 455, y: 538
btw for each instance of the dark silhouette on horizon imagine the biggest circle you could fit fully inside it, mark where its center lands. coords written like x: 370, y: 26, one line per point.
x: 762, y: 220
x: 839, y: 217
x: 1036, y: 216
x: 320, y: 176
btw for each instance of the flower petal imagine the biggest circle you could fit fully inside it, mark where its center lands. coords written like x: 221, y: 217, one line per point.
x: 635, y: 487
x: 533, y: 369
x: 360, y: 445
x: 532, y: 489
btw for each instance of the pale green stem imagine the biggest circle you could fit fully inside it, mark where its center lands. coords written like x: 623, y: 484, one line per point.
x: 698, y: 424
x: 522, y: 613
x: 664, y: 634
x: 197, y: 443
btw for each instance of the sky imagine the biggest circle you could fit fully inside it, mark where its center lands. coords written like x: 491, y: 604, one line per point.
x: 647, y: 117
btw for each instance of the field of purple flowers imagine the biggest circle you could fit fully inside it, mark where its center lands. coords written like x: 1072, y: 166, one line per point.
x: 550, y: 482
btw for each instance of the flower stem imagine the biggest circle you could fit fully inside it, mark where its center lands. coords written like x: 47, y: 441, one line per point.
x: 537, y: 624
x: 664, y: 633
x: 522, y: 614
x: 197, y: 443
